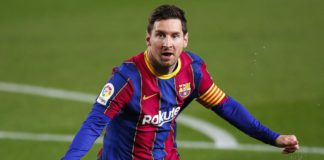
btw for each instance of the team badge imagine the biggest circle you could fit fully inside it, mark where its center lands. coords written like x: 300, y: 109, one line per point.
x: 106, y: 93
x: 184, y: 89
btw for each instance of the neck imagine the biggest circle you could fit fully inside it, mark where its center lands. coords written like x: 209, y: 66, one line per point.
x: 162, y: 69
x: 162, y: 72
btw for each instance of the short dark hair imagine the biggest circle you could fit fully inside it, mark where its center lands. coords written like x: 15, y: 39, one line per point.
x: 164, y: 12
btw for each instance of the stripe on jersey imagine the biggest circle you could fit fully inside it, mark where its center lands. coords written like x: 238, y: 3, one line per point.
x: 121, y: 131
x: 212, y: 97
x: 145, y: 134
x: 190, y: 74
x: 168, y: 102
x: 170, y: 145
x: 121, y: 97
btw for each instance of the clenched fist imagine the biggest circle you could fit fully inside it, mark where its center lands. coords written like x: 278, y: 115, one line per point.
x: 288, y: 142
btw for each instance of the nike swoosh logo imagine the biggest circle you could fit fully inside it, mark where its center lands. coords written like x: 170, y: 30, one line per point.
x: 148, y: 97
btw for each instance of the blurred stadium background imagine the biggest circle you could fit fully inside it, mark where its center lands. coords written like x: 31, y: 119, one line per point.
x: 266, y: 54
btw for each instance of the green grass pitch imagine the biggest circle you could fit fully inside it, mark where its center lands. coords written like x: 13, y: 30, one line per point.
x: 266, y: 54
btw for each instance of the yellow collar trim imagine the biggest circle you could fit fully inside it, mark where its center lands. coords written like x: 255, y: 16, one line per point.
x: 161, y: 76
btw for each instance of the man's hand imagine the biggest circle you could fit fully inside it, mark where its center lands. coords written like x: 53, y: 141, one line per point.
x: 288, y: 142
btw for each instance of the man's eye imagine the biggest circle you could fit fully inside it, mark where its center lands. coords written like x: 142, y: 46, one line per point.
x: 175, y: 36
x: 160, y: 35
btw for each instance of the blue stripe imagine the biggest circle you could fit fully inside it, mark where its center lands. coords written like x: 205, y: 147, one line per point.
x: 168, y: 102
x: 120, y: 133
x: 194, y: 57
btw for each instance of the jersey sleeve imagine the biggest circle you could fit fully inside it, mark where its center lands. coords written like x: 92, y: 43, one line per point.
x: 209, y: 93
x: 88, y: 133
x: 114, y: 95
x: 212, y: 97
x: 233, y: 112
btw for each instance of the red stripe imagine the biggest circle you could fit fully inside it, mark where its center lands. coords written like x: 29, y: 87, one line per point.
x: 116, y: 104
x: 172, y: 153
x: 145, y: 134
x: 99, y: 154
x: 206, y: 80
x: 185, y: 75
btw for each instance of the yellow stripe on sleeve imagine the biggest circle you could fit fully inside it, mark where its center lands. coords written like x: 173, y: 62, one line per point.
x: 217, y: 99
x: 210, y: 95
x: 213, y: 96
x: 221, y: 98
x: 208, y: 92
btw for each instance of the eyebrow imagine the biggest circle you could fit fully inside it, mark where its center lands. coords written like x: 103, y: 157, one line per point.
x: 161, y: 31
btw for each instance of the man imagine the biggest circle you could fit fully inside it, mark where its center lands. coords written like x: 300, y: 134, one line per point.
x: 140, y: 103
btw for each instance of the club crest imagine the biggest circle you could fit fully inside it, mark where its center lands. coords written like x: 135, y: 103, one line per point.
x: 184, y: 89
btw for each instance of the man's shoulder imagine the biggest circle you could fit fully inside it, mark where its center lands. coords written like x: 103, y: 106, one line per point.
x: 192, y: 57
x: 129, y: 66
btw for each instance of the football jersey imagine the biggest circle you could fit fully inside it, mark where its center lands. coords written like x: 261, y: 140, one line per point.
x: 143, y: 106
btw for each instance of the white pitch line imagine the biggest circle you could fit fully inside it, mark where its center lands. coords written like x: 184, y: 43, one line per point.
x: 219, y: 136
x: 182, y: 144
x: 39, y: 136
x: 47, y: 92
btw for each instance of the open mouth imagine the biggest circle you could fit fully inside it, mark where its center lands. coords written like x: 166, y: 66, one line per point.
x: 167, y: 54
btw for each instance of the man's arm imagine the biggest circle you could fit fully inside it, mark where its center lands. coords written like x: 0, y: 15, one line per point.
x: 212, y: 97
x: 88, y: 133
x: 115, y: 94
x: 238, y: 116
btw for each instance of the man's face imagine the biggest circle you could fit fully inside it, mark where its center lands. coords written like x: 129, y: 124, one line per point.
x: 166, y: 42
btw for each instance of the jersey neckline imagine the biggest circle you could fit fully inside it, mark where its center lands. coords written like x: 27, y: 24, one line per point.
x: 155, y: 73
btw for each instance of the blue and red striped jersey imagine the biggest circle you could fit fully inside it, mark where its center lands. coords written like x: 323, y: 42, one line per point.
x: 139, y: 108
x: 143, y: 105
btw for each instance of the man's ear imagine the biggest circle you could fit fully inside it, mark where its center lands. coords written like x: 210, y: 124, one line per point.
x: 186, y: 40
x: 147, y: 39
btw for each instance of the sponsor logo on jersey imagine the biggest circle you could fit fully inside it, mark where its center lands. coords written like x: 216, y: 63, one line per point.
x: 161, y: 118
x: 184, y: 89
x: 106, y: 93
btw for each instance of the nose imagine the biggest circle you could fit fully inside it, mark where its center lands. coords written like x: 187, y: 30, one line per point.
x: 167, y: 42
